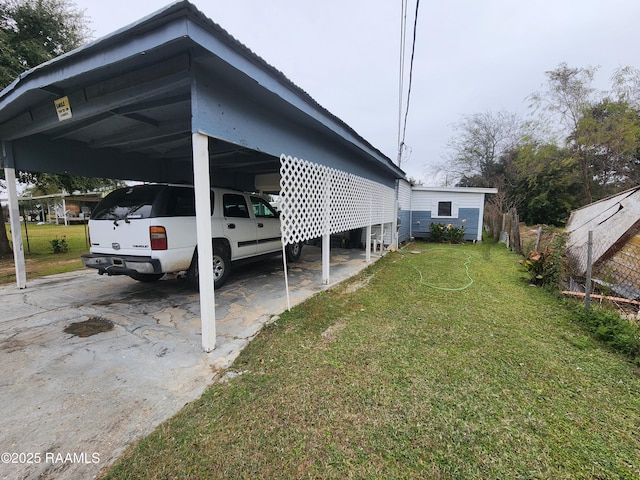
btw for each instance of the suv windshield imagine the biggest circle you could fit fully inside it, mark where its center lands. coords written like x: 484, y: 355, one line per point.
x: 127, y: 203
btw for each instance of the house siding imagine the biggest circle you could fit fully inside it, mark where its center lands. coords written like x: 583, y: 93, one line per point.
x: 418, y: 208
x: 467, y: 217
x: 404, y: 211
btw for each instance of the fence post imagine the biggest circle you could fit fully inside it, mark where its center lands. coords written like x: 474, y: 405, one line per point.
x: 26, y: 230
x: 587, y: 287
x: 515, y: 231
x: 538, y: 239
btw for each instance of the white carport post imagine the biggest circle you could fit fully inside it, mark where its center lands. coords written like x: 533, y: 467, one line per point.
x: 326, y: 237
x: 367, y: 250
x: 202, y: 186
x: 14, y: 217
x: 368, y: 231
x: 326, y: 257
x: 394, y: 228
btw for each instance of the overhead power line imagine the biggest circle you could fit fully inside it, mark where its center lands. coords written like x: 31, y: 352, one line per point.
x: 403, y: 32
x: 403, y: 35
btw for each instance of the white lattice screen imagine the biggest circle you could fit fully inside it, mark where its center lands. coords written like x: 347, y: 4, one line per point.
x: 318, y: 200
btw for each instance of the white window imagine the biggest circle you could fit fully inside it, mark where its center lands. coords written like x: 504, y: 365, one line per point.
x: 445, y: 209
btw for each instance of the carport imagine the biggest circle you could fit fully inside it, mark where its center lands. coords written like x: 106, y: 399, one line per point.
x: 175, y: 98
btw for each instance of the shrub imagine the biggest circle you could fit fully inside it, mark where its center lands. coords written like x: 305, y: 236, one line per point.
x: 547, y: 268
x: 59, y: 246
x: 446, y: 233
x: 609, y: 327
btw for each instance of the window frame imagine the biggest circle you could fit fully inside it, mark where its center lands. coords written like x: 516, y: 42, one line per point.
x: 226, y: 203
x: 267, y: 206
x: 435, y: 213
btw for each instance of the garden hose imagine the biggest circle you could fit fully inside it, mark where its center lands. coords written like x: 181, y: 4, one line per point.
x: 446, y: 289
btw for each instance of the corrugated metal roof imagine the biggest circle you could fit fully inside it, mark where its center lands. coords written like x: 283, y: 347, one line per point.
x: 610, y: 219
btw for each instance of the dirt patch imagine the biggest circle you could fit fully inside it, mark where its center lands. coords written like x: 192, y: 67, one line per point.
x: 89, y: 327
x: 329, y: 335
x: 529, y: 235
x: 357, y: 285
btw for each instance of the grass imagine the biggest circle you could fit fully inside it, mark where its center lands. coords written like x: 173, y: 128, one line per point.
x: 39, y: 257
x: 385, y: 377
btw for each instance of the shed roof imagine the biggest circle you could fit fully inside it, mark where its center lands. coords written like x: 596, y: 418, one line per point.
x: 611, y: 220
x: 422, y: 188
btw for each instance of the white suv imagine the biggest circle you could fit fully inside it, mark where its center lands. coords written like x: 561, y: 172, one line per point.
x: 146, y: 231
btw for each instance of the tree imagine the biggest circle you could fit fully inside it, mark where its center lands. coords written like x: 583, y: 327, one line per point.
x: 548, y: 184
x: 626, y: 86
x: 32, y: 32
x: 567, y: 98
x: 482, y: 139
x: 609, y: 137
x: 47, y: 183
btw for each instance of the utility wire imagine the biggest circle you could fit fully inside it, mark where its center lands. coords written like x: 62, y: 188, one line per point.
x: 406, y: 114
x: 403, y: 40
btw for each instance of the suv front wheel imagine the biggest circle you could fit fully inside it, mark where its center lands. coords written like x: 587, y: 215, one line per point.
x: 221, y: 267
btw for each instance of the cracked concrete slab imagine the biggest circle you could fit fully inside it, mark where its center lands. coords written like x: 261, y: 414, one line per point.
x: 71, y: 404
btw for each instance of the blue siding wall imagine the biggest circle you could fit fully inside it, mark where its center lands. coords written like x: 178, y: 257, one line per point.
x: 405, y: 221
x: 470, y: 215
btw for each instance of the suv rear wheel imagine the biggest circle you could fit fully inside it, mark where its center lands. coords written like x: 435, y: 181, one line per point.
x: 293, y: 251
x: 221, y: 267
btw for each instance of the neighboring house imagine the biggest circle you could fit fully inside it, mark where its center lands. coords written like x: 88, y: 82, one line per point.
x: 458, y: 206
x: 615, y: 223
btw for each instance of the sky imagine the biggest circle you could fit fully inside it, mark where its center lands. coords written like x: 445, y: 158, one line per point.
x: 471, y: 56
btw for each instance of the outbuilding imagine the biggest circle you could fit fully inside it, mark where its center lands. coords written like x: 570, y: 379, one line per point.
x: 456, y: 206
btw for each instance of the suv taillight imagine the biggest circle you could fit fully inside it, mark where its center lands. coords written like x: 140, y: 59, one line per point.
x: 158, y: 236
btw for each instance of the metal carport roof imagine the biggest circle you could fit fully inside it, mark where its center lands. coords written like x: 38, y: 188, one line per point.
x: 137, y: 95
x: 168, y: 96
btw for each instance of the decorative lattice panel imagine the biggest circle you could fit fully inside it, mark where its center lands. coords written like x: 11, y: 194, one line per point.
x: 318, y: 200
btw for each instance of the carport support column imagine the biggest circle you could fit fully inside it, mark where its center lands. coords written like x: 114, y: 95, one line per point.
x: 326, y: 237
x: 202, y: 186
x: 14, y: 216
x: 326, y: 257
x: 368, y: 244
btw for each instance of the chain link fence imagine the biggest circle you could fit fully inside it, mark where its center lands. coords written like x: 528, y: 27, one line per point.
x: 600, y: 268
x: 52, y: 225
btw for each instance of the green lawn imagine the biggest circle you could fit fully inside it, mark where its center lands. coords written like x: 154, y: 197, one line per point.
x: 386, y: 377
x: 39, y: 256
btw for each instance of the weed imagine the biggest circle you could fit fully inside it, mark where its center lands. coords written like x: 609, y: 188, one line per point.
x: 547, y: 267
x: 59, y: 246
x: 610, y: 328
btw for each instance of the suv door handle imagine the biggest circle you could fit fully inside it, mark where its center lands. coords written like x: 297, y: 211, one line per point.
x: 260, y: 225
x: 231, y: 225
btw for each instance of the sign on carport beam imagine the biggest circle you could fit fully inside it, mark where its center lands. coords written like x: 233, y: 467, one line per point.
x: 63, y: 107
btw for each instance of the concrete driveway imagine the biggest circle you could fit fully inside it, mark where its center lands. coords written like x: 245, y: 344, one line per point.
x: 90, y: 363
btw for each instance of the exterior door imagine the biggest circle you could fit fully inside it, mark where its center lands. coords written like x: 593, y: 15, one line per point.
x: 238, y: 225
x: 267, y: 226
